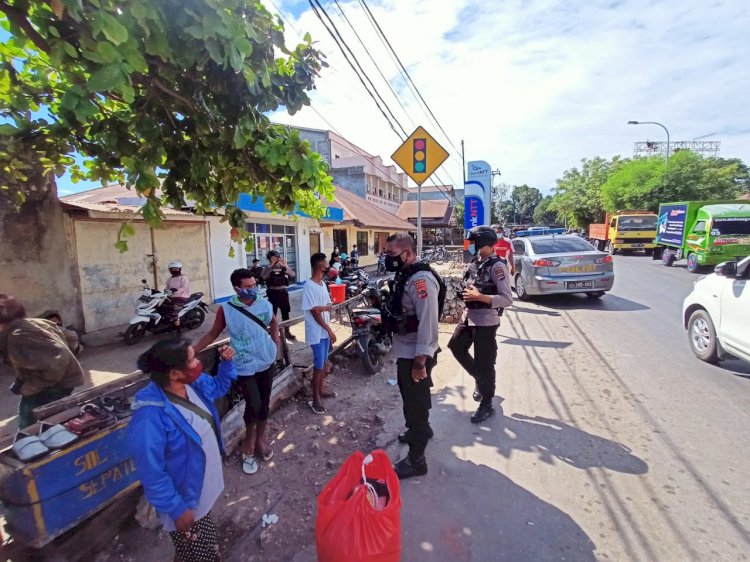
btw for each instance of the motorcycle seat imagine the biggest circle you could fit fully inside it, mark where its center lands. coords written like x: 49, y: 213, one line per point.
x: 196, y: 296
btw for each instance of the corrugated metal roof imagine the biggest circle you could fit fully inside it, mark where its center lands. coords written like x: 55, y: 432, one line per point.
x: 114, y: 208
x: 430, y: 210
x: 363, y: 213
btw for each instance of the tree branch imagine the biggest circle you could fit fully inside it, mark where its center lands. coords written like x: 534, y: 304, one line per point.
x: 156, y: 82
x: 20, y: 19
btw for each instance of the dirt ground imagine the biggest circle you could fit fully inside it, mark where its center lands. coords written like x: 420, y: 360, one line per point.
x: 309, y: 449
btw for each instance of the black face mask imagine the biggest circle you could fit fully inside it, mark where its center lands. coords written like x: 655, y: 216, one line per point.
x: 393, y: 263
x: 176, y: 272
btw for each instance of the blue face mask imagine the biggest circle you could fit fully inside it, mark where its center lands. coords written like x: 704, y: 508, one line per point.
x: 472, y: 249
x: 247, y: 294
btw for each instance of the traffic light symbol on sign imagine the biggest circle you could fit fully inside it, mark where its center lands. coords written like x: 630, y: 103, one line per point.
x: 420, y: 155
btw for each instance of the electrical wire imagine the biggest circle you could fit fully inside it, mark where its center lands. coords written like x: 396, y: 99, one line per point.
x: 372, y: 18
x: 341, y: 43
x: 377, y: 67
x: 339, y: 40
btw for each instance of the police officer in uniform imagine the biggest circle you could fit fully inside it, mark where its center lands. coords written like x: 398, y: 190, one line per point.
x: 486, y: 294
x: 276, y: 277
x: 411, y: 314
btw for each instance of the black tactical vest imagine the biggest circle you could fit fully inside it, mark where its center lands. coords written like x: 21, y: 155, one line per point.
x: 278, y: 277
x: 393, y: 318
x: 480, y: 274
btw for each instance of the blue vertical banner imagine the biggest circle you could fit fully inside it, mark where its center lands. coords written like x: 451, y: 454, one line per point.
x: 477, y: 194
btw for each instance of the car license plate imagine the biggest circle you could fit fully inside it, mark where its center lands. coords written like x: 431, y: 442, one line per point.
x: 580, y: 284
x: 576, y: 268
x: 637, y: 245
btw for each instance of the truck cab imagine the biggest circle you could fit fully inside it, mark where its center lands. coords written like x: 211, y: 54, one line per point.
x: 704, y: 233
x: 625, y: 231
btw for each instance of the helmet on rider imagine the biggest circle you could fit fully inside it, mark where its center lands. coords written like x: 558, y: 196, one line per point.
x: 175, y: 268
x: 273, y: 254
x: 482, y: 236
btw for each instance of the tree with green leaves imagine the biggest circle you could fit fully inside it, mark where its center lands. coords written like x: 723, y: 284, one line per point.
x: 524, y: 200
x: 543, y: 214
x: 644, y: 183
x: 169, y: 96
x: 577, y: 197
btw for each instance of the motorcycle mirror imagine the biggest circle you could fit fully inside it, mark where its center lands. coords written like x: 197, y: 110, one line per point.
x: 144, y: 281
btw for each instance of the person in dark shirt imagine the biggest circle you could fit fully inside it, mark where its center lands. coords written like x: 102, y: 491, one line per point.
x: 257, y: 271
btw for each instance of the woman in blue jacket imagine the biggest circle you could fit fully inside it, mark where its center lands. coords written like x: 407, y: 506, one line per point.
x: 175, y: 440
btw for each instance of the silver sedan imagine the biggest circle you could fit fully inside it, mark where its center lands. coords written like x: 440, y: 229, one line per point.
x: 562, y: 263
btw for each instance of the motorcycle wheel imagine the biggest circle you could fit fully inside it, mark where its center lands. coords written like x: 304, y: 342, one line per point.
x: 135, y: 333
x: 371, y: 358
x: 194, y: 319
x: 440, y: 258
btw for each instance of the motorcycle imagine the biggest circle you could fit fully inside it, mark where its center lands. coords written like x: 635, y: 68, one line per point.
x: 149, y: 314
x: 438, y: 254
x: 355, y: 281
x: 381, y: 264
x: 368, y: 331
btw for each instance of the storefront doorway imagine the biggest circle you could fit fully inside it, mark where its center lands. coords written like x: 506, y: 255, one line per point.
x: 277, y: 237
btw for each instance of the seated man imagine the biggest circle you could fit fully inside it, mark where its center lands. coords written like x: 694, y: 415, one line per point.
x: 71, y: 336
x: 178, y: 287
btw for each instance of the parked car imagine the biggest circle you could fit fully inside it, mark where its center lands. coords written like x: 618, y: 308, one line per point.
x: 563, y: 263
x: 716, y: 313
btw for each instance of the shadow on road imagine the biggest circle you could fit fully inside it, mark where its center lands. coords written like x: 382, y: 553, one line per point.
x: 537, y: 343
x: 537, y: 311
x: 608, y: 303
x: 549, y: 439
x: 466, y: 509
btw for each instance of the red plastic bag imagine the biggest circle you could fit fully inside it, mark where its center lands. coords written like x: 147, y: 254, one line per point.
x: 349, y: 528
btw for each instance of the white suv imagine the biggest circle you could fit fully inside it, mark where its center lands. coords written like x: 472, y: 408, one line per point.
x: 717, y: 313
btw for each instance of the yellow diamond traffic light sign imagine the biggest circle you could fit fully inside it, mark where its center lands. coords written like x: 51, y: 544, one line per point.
x: 420, y: 156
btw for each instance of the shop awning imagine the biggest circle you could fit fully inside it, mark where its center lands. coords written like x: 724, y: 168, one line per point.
x: 334, y: 213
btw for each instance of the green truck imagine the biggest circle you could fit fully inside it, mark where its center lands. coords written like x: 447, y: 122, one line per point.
x: 702, y: 232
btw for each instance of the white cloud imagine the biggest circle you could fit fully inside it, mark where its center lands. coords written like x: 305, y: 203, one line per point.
x: 533, y: 86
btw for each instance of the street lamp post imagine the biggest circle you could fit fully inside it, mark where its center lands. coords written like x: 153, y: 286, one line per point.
x: 666, y: 156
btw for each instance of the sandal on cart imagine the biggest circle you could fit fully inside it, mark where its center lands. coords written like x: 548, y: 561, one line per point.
x: 56, y: 436
x: 91, y: 417
x: 28, y: 447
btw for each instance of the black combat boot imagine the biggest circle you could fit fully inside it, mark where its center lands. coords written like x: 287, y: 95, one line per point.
x: 409, y: 467
x: 403, y: 437
x: 483, y: 412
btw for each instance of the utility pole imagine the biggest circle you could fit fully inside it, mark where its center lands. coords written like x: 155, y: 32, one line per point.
x: 419, y: 220
x: 463, y: 162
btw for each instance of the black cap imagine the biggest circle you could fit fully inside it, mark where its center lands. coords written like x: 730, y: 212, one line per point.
x: 273, y: 253
x: 482, y: 236
x: 256, y: 260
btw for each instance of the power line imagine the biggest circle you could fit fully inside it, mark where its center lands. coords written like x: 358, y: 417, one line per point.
x: 377, y: 67
x: 401, y: 65
x: 343, y: 15
x: 368, y: 157
x: 338, y: 39
x: 339, y: 42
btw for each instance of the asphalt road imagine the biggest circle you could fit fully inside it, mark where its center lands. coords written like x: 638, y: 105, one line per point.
x: 613, y: 441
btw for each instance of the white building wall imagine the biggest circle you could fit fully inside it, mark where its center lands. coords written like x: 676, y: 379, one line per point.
x: 305, y: 227
x: 221, y: 264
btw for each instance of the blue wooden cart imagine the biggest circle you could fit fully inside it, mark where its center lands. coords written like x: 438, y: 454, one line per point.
x: 49, y: 496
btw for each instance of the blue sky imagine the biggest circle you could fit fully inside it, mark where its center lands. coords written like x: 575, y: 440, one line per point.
x: 533, y: 86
